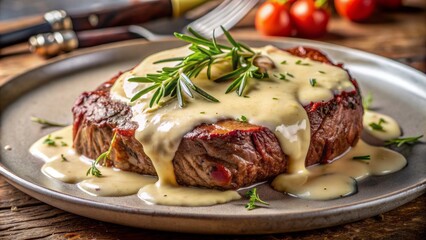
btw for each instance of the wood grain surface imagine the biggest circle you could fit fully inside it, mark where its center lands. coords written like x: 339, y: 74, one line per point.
x: 399, y: 35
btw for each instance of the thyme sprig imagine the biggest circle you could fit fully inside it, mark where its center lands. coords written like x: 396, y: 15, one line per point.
x: 253, y: 198
x: 175, y: 82
x: 93, y: 170
x: 401, y: 141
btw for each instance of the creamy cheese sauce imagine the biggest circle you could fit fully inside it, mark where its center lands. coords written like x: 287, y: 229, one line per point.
x: 390, y: 126
x: 337, y: 179
x: 275, y: 103
x: 64, y: 164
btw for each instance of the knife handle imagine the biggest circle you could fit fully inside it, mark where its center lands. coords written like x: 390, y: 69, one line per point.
x: 138, y: 12
x: 51, y: 44
x: 53, y: 21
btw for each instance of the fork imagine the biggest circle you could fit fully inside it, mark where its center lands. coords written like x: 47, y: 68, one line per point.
x: 226, y: 14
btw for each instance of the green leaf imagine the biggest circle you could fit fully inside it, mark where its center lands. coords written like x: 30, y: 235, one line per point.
x: 242, y: 85
x: 234, y: 84
x: 140, y: 79
x: 143, y: 92
x: 233, y: 74
x: 176, y: 59
x: 365, y: 157
x: 230, y: 38
x: 47, y: 123
x: 196, y: 34
x: 401, y: 141
x: 181, y: 101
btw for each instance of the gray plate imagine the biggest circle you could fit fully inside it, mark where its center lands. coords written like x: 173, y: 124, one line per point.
x: 50, y: 90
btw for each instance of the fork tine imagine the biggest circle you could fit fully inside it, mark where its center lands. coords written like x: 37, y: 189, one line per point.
x: 227, y: 14
x: 230, y: 19
x: 204, y: 23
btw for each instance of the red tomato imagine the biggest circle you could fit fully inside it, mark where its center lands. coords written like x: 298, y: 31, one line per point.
x: 273, y: 19
x: 355, y: 10
x: 390, y: 4
x: 310, y: 22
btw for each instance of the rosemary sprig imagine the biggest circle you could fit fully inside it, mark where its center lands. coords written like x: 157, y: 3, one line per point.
x: 175, y: 82
x: 313, y: 82
x: 46, y: 123
x: 401, y: 141
x: 253, y: 198
x: 378, y: 126
x: 93, y: 170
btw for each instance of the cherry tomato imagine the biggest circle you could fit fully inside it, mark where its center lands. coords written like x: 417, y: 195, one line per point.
x: 389, y: 4
x: 273, y: 19
x: 355, y: 10
x: 310, y: 22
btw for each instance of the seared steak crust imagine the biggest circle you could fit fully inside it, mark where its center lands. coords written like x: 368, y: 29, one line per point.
x: 224, y: 155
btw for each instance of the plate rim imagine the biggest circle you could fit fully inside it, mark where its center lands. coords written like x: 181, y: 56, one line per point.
x: 10, y: 176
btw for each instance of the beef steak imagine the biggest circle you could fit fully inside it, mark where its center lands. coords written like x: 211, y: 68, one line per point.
x: 225, y: 155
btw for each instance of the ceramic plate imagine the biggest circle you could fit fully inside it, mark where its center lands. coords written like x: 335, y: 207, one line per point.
x: 49, y: 91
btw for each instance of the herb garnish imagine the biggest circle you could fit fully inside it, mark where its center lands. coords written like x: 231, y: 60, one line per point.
x: 64, y: 159
x: 242, y: 119
x: 47, y: 123
x: 284, y: 62
x: 365, y: 157
x: 93, y: 170
x: 378, y: 126
x: 253, y: 198
x: 289, y: 74
x: 367, y: 101
x: 274, y: 98
x: 299, y: 62
x: 401, y: 141
x: 322, y: 72
x: 176, y: 81
x: 313, y: 82
x: 282, y: 77
x: 49, y: 141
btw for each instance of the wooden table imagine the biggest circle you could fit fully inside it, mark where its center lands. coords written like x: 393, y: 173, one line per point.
x: 397, y: 35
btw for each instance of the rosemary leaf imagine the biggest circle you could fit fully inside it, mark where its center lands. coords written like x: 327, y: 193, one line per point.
x: 401, y: 141
x: 47, y: 123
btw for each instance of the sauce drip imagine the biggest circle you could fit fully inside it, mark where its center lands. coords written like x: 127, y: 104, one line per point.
x: 337, y: 179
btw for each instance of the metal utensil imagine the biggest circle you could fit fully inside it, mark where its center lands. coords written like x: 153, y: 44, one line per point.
x: 136, y: 12
x: 227, y: 14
